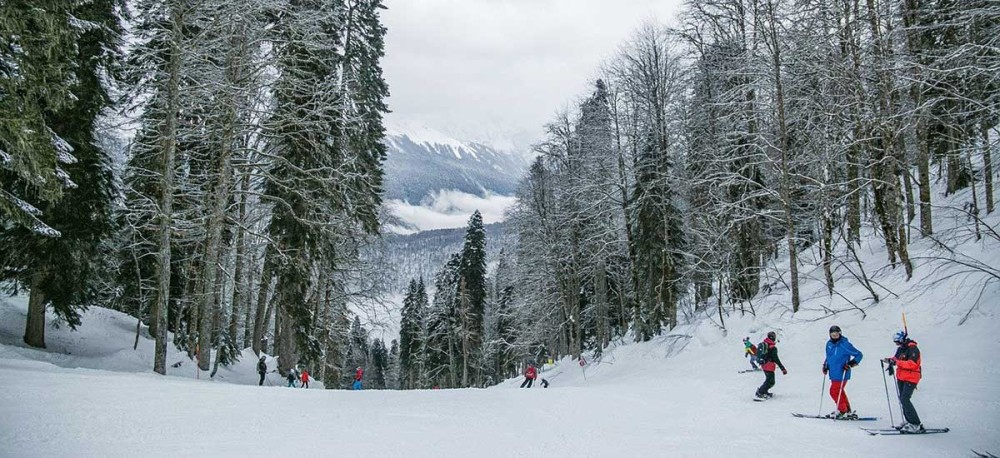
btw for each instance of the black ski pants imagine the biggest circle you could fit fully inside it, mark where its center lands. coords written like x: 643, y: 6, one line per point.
x: 768, y: 383
x: 905, y: 392
x: 527, y: 381
x: 261, y: 383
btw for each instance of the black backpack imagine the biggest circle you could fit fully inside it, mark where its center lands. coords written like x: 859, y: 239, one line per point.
x: 762, y: 350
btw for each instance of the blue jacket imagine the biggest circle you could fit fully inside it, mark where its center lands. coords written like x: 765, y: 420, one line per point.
x: 838, y: 354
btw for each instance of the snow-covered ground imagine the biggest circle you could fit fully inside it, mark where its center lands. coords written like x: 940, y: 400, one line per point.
x: 90, y: 394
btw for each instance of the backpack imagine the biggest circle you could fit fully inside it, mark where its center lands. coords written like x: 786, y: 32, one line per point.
x: 762, y: 349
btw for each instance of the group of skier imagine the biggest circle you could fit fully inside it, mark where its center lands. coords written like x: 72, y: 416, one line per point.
x: 301, y: 375
x: 530, y: 374
x: 841, y: 358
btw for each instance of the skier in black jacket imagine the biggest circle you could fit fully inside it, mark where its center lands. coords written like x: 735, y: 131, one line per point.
x: 261, y: 369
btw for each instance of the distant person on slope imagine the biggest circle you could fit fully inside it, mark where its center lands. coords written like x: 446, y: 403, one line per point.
x: 770, y: 360
x: 750, y: 351
x: 529, y: 376
x: 261, y: 369
x: 841, y: 356
x: 305, y: 378
x: 359, y: 374
x: 292, y: 376
x: 907, y: 363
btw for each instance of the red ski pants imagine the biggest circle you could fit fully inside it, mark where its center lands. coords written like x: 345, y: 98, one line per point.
x: 840, y: 396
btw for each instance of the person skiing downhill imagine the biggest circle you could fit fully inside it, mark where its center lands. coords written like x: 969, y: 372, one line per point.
x: 770, y: 361
x: 305, y: 378
x: 261, y: 369
x: 359, y: 374
x: 291, y: 377
x: 529, y: 376
x: 841, y: 356
x: 750, y: 351
x: 907, y: 372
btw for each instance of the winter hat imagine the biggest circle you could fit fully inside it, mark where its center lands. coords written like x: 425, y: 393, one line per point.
x: 771, y: 335
x: 900, y: 337
x: 834, y: 328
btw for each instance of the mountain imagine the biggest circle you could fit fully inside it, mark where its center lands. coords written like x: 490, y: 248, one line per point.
x: 422, y: 161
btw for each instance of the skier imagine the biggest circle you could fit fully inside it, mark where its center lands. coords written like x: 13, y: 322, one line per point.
x: 305, y: 378
x: 529, y: 376
x: 907, y: 363
x: 841, y: 356
x: 750, y: 351
x: 359, y: 373
x: 292, y: 376
x: 261, y: 369
x: 769, y: 360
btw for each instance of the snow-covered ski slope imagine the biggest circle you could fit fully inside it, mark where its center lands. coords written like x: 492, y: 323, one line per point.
x: 90, y: 394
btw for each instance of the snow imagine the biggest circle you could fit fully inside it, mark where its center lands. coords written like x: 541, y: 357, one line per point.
x: 677, y: 395
x: 419, y: 133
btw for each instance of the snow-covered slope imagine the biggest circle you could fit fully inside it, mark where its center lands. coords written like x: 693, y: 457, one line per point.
x: 90, y: 394
x: 104, y: 341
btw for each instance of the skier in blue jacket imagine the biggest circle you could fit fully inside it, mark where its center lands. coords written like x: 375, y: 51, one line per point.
x: 841, y: 356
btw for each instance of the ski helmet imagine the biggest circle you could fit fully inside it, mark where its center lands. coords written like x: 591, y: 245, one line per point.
x: 835, y: 328
x: 900, y: 337
x: 771, y: 335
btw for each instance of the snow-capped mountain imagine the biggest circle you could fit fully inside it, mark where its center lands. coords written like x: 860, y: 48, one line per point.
x: 435, y: 181
x: 422, y: 162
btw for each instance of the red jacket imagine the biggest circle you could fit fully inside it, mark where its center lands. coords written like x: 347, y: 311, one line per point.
x: 772, y: 357
x: 530, y: 372
x: 908, y: 362
x: 360, y: 373
x: 305, y: 376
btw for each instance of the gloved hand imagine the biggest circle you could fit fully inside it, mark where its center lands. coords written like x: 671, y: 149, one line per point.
x: 825, y: 369
x: 852, y: 363
x: 784, y: 372
x: 890, y: 361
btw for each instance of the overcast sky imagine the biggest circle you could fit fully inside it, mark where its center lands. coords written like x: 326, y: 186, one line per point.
x: 475, y: 68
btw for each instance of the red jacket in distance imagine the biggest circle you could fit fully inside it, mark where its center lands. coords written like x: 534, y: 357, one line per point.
x: 530, y: 373
x: 305, y: 376
x: 908, y: 362
x: 359, y: 374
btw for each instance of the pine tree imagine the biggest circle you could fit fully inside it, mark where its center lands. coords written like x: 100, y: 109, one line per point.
x: 472, y: 297
x: 40, y: 62
x: 61, y: 267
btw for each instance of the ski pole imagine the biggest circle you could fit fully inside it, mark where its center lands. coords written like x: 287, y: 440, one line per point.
x: 840, y: 394
x: 887, y: 401
x: 821, y: 390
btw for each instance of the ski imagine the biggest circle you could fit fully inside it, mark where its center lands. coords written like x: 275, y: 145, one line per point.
x: 827, y: 417
x: 748, y: 370
x: 984, y: 454
x: 896, y: 432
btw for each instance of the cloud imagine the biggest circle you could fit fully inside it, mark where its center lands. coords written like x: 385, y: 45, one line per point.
x: 450, y: 208
x: 472, y: 64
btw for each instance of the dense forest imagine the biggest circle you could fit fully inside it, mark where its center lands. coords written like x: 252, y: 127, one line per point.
x: 215, y: 169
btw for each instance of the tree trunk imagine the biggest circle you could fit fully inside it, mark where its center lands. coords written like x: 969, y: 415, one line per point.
x: 924, y: 182
x: 261, y: 318
x: 34, y: 328
x: 827, y: 249
x: 987, y: 167
x: 169, y: 139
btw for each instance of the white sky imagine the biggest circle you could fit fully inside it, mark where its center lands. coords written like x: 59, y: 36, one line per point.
x: 477, y: 69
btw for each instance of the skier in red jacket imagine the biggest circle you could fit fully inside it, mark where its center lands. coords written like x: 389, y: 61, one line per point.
x: 770, y: 363
x: 359, y: 373
x: 907, y: 370
x: 305, y: 378
x: 529, y: 376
